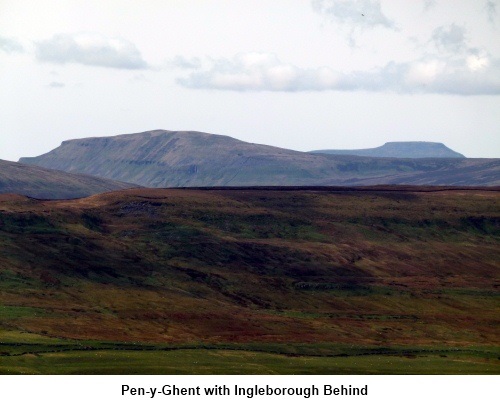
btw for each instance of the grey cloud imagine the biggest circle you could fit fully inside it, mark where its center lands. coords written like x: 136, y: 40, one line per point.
x: 472, y: 73
x: 56, y: 85
x: 361, y: 13
x: 451, y: 38
x: 91, y: 50
x: 491, y: 10
x: 182, y: 62
x: 10, y: 45
x: 428, y: 4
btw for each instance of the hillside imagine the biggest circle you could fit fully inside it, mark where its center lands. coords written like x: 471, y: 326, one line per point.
x: 186, y: 159
x: 301, y: 280
x: 412, y: 150
x: 37, y: 182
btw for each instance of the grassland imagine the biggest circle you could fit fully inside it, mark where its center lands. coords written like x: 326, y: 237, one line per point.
x: 323, y: 281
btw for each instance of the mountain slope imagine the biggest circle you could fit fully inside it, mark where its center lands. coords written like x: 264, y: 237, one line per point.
x: 400, y: 150
x: 187, y: 159
x: 37, y: 182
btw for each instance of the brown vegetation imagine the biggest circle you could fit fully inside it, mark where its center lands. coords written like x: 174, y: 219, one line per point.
x: 374, y: 266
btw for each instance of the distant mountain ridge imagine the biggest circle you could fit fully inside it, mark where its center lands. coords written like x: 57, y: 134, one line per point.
x: 400, y: 150
x: 38, y: 182
x: 162, y: 158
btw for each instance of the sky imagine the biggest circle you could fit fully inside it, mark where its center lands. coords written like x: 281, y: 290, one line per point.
x: 298, y: 74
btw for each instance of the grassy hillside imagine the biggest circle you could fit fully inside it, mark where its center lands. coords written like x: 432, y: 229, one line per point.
x: 38, y: 182
x: 311, y: 280
x: 187, y: 159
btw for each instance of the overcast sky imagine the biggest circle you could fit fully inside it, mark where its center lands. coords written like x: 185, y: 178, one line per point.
x: 299, y: 74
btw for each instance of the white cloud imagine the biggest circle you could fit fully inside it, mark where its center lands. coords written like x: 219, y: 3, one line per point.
x: 424, y: 72
x: 258, y: 71
x: 361, y: 13
x: 90, y: 49
x: 475, y: 72
x: 10, y: 45
x: 477, y: 60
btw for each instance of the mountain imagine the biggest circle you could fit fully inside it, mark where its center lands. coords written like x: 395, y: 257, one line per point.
x: 37, y: 182
x: 187, y: 159
x: 400, y: 150
x: 275, y: 280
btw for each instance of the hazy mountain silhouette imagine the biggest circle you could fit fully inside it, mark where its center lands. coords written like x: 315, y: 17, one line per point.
x: 184, y: 159
x: 400, y: 150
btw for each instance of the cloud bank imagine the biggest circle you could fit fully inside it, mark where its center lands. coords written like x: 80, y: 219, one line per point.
x: 91, y: 50
x: 472, y: 73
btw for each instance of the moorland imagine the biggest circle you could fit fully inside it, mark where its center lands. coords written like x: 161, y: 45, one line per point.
x: 321, y: 280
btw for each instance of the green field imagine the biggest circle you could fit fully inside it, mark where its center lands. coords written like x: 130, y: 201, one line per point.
x: 42, y: 355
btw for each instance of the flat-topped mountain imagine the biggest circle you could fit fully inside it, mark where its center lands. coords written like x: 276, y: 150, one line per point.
x: 38, y: 182
x: 190, y: 159
x: 400, y: 150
